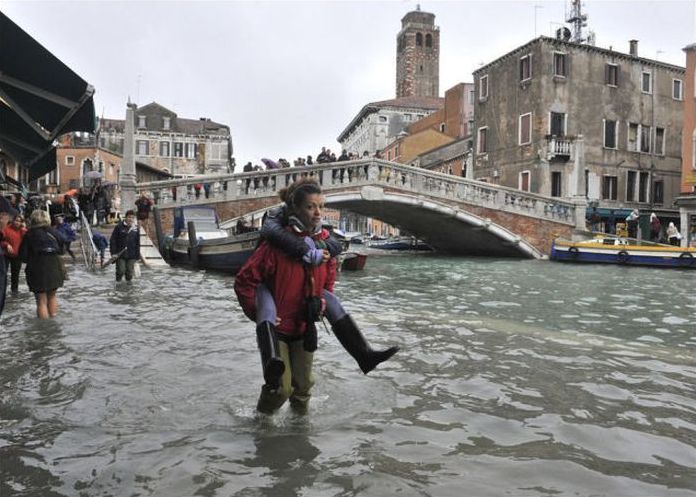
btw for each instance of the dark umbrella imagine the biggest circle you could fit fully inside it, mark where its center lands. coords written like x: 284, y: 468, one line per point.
x: 270, y: 164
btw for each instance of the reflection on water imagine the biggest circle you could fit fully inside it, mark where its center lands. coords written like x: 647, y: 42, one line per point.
x: 522, y: 378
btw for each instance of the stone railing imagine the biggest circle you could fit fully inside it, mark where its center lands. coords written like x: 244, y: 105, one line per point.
x: 560, y: 147
x: 372, y: 172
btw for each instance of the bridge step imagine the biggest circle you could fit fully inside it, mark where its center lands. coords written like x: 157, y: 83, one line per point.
x: 149, y: 253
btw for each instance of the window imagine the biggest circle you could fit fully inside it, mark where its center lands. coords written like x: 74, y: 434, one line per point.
x: 524, y: 181
x: 69, y: 160
x: 419, y: 39
x: 217, y: 151
x: 525, y: 67
x: 646, y: 82
x: 383, y: 119
x: 442, y: 127
x: 630, y: 186
x: 557, y: 124
x: 556, y: 183
x: 559, y: 64
x: 178, y: 149
x: 611, y: 75
x: 428, y: 41
x: 141, y: 121
x: 166, y: 122
x: 677, y: 89
x: 659, y: 141
x: 659, y: 192
x: 609, y: 187
x: 525, y: 129
x: 407, y: 117
x: 610, y: 128
x: 632, y: 144
x: 643, y: 182
x: 164, y: 149
x: 483, y: 87
x: 482, y: 141
x: 141, y: 147
x: 471, y: 96
x: 191, y: 151
x: 645, y: 139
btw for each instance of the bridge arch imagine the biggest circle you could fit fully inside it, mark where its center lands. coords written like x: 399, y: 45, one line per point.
x: 446, y: 228
x: 456, y: 215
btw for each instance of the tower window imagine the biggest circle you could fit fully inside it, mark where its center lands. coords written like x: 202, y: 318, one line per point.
x: 419, y: 39
x: 421, y: 68
x: 429, y: 41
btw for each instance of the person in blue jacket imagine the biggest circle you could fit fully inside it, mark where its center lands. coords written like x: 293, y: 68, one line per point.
x: 68, y: 233
x: 125, y: 243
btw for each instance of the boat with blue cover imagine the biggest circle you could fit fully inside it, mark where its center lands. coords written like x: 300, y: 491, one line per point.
x: 626, y: 251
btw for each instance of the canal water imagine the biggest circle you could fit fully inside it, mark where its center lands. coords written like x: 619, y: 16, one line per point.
x: 520, y: 378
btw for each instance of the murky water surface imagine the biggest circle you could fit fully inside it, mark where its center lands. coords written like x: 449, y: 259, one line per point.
x: 520, y: 378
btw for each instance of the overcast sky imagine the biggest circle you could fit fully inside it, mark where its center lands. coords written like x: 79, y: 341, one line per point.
x: 287, y: 77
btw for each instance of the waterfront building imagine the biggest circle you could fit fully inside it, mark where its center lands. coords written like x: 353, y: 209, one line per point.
x: 687, y: 200
x: 378, y: 123
x: 82, y: 163
x: 567, y: 119
x: 176, y: 145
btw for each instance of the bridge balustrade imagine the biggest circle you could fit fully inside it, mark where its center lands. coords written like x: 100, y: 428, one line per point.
x: 356, y: 174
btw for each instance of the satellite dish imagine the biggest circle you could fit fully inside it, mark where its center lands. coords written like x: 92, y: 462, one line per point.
x: 566, y: 34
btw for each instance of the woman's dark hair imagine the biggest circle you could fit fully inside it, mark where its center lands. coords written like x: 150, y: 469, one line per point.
x: 296, y: 193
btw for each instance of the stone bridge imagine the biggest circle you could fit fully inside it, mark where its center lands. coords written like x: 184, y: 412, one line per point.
x: 452, y: 214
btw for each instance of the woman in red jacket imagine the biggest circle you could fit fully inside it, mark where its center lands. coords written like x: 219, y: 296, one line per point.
x: 287, y: 346
x: 13, y: 234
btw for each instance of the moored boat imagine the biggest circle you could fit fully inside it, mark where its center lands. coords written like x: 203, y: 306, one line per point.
x: 626, y: 251
x: 353, y: 261
x: 203, y: 245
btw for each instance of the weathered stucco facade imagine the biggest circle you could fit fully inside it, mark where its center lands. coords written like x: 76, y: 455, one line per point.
x: 566, y: 119
x: 172, y: 144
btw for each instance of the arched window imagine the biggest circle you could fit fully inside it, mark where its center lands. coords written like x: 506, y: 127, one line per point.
x: 419, y: 39
x: 429, y: 41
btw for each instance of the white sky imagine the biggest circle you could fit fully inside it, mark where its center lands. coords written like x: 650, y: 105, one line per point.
x: 288, y: 77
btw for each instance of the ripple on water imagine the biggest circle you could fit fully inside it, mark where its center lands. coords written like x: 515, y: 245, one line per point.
x: 150, y: 388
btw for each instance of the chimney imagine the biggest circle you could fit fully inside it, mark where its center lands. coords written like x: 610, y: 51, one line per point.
x: 633, y: 50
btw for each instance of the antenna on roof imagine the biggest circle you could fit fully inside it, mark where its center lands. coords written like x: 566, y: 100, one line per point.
x: 578, y: 20
x: 418, y: 7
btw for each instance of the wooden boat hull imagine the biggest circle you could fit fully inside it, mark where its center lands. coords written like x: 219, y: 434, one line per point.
x: 625, y: 254
x: 221, y: 254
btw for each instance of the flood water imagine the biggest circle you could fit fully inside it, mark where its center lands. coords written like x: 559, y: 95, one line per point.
x: 519, y: 378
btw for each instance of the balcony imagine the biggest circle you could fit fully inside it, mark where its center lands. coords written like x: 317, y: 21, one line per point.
x: 559, y: 148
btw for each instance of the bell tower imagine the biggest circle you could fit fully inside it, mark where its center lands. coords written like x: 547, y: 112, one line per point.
x: 418, y: 56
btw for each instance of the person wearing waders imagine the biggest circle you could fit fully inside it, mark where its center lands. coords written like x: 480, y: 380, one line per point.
x: 287, y: 340
x: 344, y: 327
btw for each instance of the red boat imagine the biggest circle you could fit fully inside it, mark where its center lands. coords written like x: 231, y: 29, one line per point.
x: 353, y: 261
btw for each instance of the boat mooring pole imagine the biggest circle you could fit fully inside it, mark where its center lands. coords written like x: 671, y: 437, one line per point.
x: 158, y: 230
x: 193, y: 244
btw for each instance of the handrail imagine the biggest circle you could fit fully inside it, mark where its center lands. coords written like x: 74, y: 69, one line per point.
x: 89, y: 250
x: 359, y: 173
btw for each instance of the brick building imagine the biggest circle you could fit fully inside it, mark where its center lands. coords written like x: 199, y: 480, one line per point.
x: 418, y: 56
x: 172, y: 144
x: 455, y: 118
x: 567, y: 119
x: 687, y: 201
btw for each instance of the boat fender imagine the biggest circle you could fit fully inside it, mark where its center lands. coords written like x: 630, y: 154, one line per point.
x: 686, y: 258
x: 573, y: 252
x: 622, y: 257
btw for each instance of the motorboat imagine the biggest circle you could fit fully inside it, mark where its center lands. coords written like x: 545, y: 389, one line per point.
x: 620, y: 250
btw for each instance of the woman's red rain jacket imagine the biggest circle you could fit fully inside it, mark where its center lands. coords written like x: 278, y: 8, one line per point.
x: 285, y: 278
x: 13, y: 237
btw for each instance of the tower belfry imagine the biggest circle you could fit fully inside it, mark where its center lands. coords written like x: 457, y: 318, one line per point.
x: 418, y: 56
